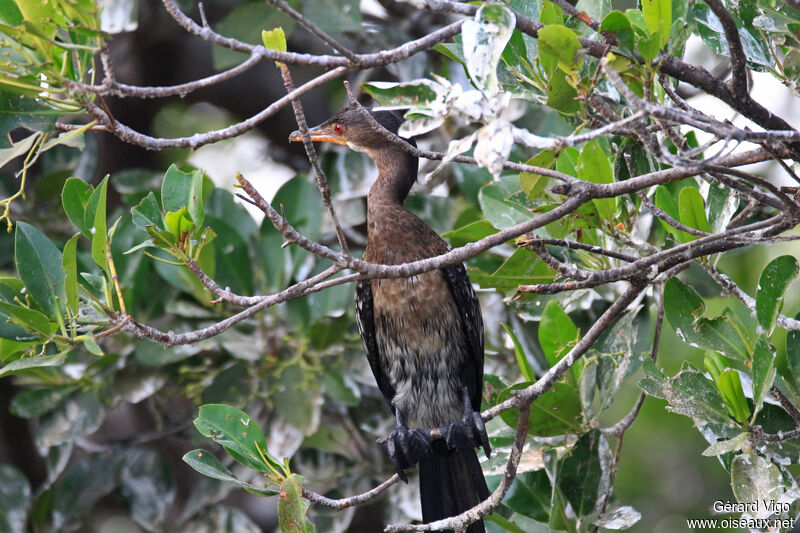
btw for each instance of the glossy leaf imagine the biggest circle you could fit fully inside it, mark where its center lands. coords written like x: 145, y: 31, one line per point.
x: 204, y: 462
x: 580, y: 472
x: 183, y: 189
x: 530, y: 495
x: 729, y: 385
x: 776, y: 277
x: 556, y: 412
x: 684, y: 310
x: 147, y: 213
x: 557, y: 333
x: 29, y: 319
x: 38, y: 263
x: 239, y: 434
x: 74, y: 198
x: 522, y: 268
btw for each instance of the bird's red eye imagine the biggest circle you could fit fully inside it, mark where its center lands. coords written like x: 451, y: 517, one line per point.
x: 337, y: 128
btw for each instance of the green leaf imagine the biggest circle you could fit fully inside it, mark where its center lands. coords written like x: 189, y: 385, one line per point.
x: 147, y: 213
x: 238, y: 434
x: 580, y: 472
x: 729, y: 385
x: 90, y: 344
x: 530, y: 495
x: 658, y: 17
x: 183, y: 189
x: 204, y: 462
x: 684, y: 310
x: 292, y: 507
x: 69, y: 264
x: 561, y: 95
x: 691, y: 208
x: 562, y: 45
x: 500, y: 202
x: 557, y: 333
x: 414, y: 94
x: 30, y: 319
x: 755, y: 479
x: 618, y: 24
x: 522, y: 268
x: 33, y: 362
x: 533, y: 184
x: 776, y: 277
x: 38, y: 264
x: 178, y: 223
x: 274, y: 39
x: 793, y: 352
x: 649, y: 47
x: 727, y: 446
x: 763, y: 371
x: 595, y: 167
x: 665, y: 201
x: 15, y: 500
x: 522, y: 359
x: 74, y: 198
x: 472, y: 232
x: 689, y: 393
x: 556, y: 412
x: 97, y: 224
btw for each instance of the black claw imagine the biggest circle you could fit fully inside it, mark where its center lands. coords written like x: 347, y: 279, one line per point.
x: 406, y: 447
x: 469, y: 431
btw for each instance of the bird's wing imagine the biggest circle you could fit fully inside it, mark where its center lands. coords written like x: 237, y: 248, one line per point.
x: 365, y: 317
x: 469, y: 309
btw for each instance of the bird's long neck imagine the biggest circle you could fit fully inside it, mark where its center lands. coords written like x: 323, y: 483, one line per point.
x: 397, y: 171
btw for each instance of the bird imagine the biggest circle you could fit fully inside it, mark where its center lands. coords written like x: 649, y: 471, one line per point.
x: 423, y: 334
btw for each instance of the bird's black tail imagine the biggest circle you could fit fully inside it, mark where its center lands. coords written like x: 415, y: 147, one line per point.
x: 451, y: 481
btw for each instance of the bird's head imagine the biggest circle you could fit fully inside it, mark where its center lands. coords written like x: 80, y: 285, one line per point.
x: 350, y: 128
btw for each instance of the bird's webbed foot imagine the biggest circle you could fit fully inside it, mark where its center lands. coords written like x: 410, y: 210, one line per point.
x: 407, y: 446
x: 469, y: 431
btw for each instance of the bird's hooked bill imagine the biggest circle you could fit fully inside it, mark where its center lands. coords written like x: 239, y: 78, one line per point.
x: 319, y: 134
